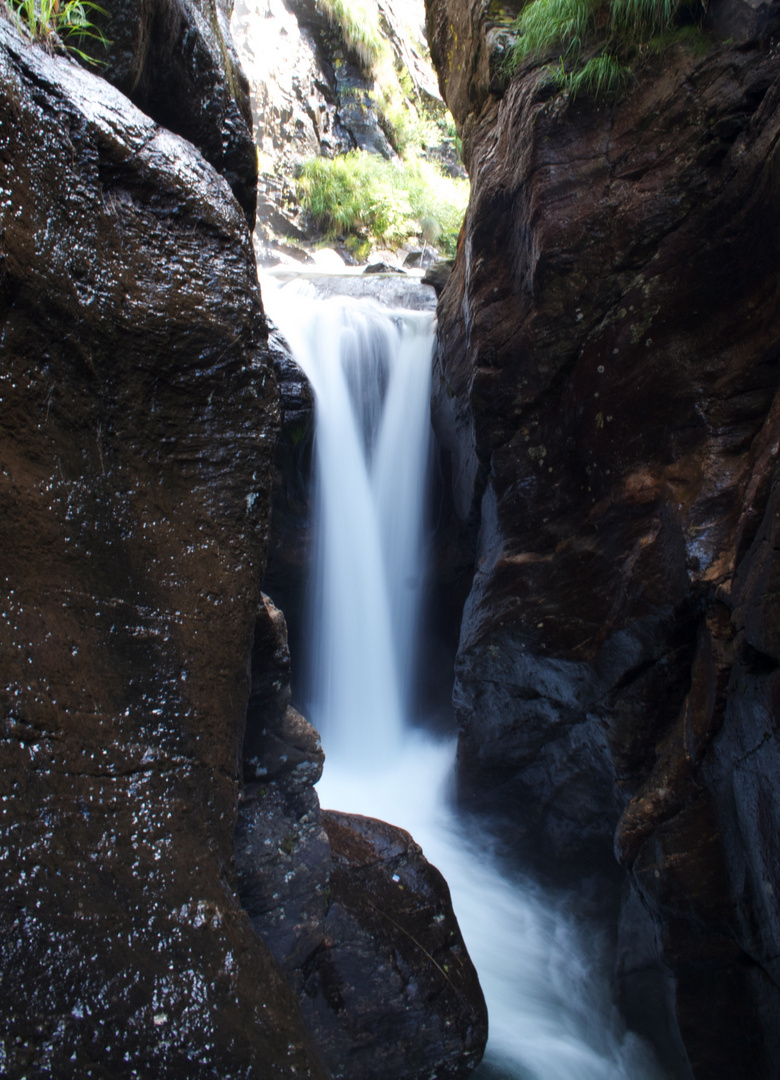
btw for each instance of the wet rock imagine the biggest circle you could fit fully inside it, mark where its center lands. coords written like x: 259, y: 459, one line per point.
x: 278, y: 743
x: 290, y: 540
x: 137, y: 416
x: 606, y: 390
x: 175, y: 60
x: 438, y: 274
x: 382, y: 268
x: 359, y: 921
x: 423, y: 259
x: 393, y: 970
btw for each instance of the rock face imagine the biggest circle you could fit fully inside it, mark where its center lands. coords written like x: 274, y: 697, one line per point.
x: 361, y: 924
x: 176, y: 61
x: 137, y: 414
x: 606, y: 391
x: 289, y: 550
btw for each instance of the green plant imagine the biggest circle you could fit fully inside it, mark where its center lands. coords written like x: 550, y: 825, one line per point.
x: 69, y: 22
x: 359, y: 25
x: 616, y: 33
x: 640, y: 19
x: 599, y: 75
x: 363, y: 195
x: 547, y: 26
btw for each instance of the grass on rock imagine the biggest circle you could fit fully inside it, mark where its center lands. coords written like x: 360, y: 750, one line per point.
x: 388, y: 201
x: 67, y: 21
x: 598, y: 42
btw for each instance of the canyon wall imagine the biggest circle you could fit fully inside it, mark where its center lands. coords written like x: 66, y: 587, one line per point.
x: 138, y: 419
x: 606, y: 398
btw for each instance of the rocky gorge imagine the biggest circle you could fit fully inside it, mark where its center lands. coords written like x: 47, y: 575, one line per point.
x: 174, y: 901
x: 139, y: 414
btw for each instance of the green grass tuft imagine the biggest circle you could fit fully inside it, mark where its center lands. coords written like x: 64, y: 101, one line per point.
x: 612, y: 34
x: 547, y: 26
x: 638, y: 20
x: 386, y: 201
x: 69, y: 21
x: 600, y: 75
x: 359, y: 25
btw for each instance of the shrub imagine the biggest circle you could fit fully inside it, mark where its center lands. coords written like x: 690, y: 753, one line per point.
x: 615, y: 32
x: 359, y: 25
x: 69, y: 22
x: 389, y: 201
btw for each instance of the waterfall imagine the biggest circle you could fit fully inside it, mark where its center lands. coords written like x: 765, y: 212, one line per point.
x: 369, y: 366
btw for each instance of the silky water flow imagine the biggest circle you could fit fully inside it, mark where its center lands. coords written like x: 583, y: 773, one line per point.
x: 370, y: 370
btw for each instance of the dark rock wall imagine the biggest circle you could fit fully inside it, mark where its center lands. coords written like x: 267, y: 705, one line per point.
x: 137, y: 415
x: 606, y: 390
x: 176, y: 61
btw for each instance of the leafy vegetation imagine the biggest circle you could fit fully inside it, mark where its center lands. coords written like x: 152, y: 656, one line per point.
x: 614, y: 32
x: 386, y: 201
x: 363, y: 197
x: 70, y: 22
x: 359, y: 25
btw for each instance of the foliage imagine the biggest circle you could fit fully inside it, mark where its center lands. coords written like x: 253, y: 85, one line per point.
x: 615, y: 32
x: 69, y: 21
x: 547, y: 26
x: 359, y: 25
x: 389, y: 201
x: 600, y: 75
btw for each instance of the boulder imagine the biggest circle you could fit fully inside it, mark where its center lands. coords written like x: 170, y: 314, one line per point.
x: 137, y: 417
x: 175, y: 60
x: 360, y: 922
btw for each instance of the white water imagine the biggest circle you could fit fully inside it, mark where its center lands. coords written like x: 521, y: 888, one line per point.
x: 550, y: 1018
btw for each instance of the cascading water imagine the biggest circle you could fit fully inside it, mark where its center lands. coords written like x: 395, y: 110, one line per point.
x: 369, y: 367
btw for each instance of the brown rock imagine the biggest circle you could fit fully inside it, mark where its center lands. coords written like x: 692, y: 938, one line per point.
x: 137, y: 414
x: 176, y: 60
x: 392, y: 992
x: 606, y: 388
x: 359, y: 921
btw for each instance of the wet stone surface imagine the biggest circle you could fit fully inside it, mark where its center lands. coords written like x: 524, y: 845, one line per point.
x: 137, y: 414
x: 606, y: 391
x: 360, y: 922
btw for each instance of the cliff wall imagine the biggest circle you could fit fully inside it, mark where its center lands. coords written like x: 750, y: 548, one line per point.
x: 606, y: 395
x: 137, y: 414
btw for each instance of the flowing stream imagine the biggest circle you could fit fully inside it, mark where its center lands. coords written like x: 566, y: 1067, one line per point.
x: 369, y: 366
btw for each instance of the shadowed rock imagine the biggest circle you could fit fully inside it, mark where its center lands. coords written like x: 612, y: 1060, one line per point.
x: 606, y: 390
x: 137, y: 414
x: 360, y: 922
x: 175, y: 60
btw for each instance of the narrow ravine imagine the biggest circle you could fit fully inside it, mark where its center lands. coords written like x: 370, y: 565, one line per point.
x: 369, y: 366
